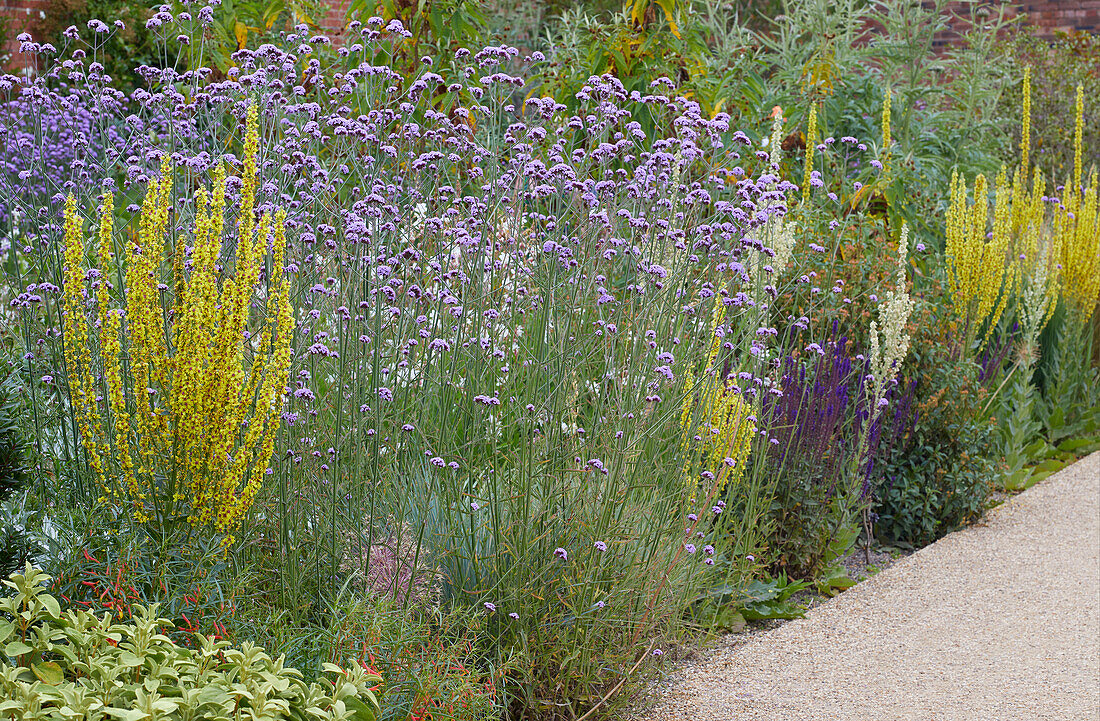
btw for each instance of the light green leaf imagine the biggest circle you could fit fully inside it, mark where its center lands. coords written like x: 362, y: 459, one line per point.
x: 16, y: 648
x: 49, y: 672
x: 126, y: 714
x: 51, y: 604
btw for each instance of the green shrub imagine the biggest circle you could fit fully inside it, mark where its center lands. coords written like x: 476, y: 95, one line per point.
x: 70, y: 664
x: 938, y: 475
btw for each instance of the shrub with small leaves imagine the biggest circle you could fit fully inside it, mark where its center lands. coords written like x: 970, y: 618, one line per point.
x: 56, y: 664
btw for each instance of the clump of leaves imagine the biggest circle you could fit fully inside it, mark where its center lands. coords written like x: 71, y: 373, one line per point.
x: 727, y: 607
x: 92, y: 667
x: 937, y: 476
x: 771, y: 598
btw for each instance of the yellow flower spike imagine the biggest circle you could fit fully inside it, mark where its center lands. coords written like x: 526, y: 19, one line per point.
x: 886, y: 139
x: 886, y: 119
x: 980, y: 270
x: 1025, y: 131
x: 811, y: 135
x: 1078, y: 232
x: 78, y: 360
x: 1078, y: 133
x: 195, y: 427
x: 110, y: 351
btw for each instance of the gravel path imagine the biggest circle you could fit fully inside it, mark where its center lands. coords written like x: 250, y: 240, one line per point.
x: 998, y: 622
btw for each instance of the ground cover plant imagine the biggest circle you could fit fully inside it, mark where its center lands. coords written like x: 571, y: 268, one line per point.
x: 63, y: 664
x: 402, y: 362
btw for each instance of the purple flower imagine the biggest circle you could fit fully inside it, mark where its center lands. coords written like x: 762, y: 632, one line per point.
x: 561, y: 553
x: 600, y: 546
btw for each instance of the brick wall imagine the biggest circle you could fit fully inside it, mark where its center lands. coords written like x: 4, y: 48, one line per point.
x: 1050, y: 16
x: 1045, y: 17
x: 333, y: 23
x: 19, y: 14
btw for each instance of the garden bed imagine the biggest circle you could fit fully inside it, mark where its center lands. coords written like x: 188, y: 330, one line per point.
x: 500, y: 373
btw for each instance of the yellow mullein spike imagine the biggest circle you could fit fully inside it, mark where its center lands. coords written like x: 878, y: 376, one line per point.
x: 197, y: 422
x: 1078, y: 232
x: 78, y: 361
x: 1025, y: 131
x: 248, y: 177
x: 811, y: 135
x: 980, y: 271
x: 886, y: 139
x: 1078, y: 133
x: 110, y: 349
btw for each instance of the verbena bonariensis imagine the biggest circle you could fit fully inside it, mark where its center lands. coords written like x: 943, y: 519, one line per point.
x: 497, y: 305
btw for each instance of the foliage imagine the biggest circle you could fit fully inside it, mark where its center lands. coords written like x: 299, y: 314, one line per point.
x: 99, y: 668
x: 132, y: 44
x: 815, y: 54
x: 12, y: 442
x: 1057, y: 67
x: 939, y: 473
x: 432, y: 28
x: 558, y: 368
x: 13, y: 461
x: 495, y: 318
x: 770, y: 598
x: 647, y: 45
x: 1069, y: 404
x: 241, y: 24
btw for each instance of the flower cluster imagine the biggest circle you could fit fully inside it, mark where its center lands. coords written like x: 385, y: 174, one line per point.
x: 195, y: 418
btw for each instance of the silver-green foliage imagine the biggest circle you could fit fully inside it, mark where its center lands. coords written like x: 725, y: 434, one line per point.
x: 76, y: 665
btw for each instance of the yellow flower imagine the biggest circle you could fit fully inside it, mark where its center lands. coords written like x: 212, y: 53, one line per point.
x: 195, y: 422
x: 980, y: 270
x: 811, y: 135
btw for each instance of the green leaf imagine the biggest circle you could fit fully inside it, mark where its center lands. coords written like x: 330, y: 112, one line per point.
x: 52, y: 606
x: 1075, y: 444
x: 17, y: 648
x: 360, y: 710
x: 669, y: 6
x: 1050, y: 465
x: 126, y: 714
x: 49, y: 672
x: 129, y: 660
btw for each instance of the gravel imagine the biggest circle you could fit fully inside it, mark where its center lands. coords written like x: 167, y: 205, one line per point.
x: 999, y: 621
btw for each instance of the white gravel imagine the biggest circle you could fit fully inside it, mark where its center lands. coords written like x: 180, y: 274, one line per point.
x: 998, y: 622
